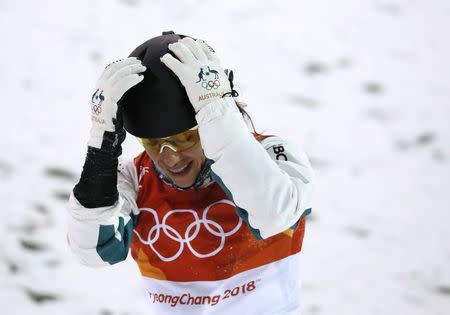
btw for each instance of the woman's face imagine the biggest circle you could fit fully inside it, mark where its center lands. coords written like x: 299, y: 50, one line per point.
x: 182, y: 167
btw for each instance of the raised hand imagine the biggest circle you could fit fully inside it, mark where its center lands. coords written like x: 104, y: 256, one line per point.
x: 199, y: 70
x: 117, y: 78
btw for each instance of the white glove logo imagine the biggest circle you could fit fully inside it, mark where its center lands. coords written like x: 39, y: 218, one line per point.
x: 96, y: 102
x: 206, y: 82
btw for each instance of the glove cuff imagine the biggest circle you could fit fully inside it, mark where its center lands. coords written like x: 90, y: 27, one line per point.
x: 109, y: 141
x: 98, y: 182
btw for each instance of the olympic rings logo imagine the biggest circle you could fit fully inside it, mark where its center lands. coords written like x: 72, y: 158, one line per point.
x: 96, y: 109
x: 209, y: 85
x: 191, y: 231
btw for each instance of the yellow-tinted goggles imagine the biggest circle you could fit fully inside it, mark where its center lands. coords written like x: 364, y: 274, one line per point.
x: 179, y: 142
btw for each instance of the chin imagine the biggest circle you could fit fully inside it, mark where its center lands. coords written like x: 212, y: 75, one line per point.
x: 187, y: 179
x: 184, y: 183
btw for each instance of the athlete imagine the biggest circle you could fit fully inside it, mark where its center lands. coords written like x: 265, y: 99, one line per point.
x: 213, y: 212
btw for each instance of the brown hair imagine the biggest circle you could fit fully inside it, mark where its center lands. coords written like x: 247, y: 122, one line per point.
x: 246, y: 115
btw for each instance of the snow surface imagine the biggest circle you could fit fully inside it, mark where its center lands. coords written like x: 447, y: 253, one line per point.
x: 361, y: 85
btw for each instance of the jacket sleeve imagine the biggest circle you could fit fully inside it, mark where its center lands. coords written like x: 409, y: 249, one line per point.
x: 270, y: 182
x: 102, y: 236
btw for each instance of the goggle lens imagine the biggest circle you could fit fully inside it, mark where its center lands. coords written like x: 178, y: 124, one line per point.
x: 179, y: 142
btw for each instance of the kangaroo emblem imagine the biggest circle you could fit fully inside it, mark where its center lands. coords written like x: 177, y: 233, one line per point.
x: 97, y: 98
x: 200, y: 76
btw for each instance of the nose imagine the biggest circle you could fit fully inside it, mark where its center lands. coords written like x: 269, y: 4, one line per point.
x: 169, y: 157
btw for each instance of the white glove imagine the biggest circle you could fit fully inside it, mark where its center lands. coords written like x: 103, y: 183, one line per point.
x: 199, y: 70
x: 117, y: 78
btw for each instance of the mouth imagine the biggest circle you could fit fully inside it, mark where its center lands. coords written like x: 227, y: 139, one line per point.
x: 181, y: 171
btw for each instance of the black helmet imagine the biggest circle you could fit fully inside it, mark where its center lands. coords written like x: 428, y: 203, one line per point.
x: 158, y: 106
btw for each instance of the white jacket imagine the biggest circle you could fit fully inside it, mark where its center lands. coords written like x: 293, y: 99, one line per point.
x: 267, y: 181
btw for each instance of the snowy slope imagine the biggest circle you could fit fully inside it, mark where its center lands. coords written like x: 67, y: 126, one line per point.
x: 361, y: 85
